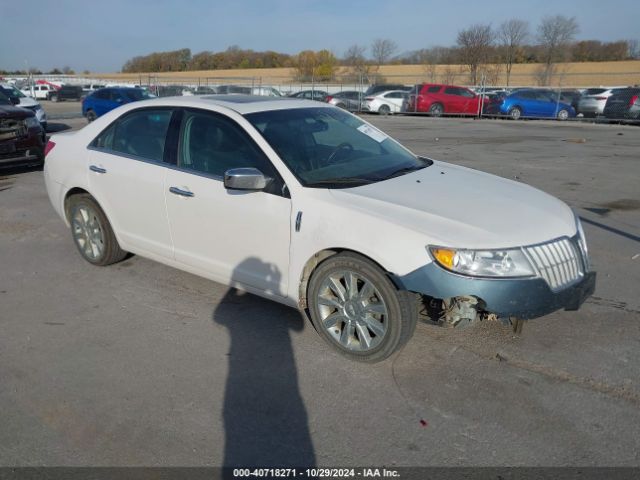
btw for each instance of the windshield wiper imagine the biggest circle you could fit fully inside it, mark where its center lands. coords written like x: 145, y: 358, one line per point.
x: 356, y: 181
x: 404, y: 170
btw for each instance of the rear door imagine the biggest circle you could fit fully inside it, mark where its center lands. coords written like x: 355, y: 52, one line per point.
x: 126, y: 176
x: 453, y: 100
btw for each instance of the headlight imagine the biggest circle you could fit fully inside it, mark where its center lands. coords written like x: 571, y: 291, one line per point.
x: 32, y: 122
x: 484, y: 263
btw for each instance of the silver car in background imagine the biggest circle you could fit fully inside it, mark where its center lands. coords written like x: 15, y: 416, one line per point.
x: 593, y: 100
x: 350, y: 100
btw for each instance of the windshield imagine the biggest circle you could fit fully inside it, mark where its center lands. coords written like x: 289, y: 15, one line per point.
x: 327, y: 147
x: 4, y: 100
x: 10, y: 91
x: 137, y: 94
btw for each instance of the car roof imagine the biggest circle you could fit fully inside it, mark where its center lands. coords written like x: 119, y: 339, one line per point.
x: 242, y: 104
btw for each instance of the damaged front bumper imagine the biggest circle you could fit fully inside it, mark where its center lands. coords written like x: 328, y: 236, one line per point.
x: 524, y: 298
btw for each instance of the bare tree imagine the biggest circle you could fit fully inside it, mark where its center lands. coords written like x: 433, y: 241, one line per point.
x: 382, y: 49
x: 354, y: 58
x: 512, y: 35
x: 475, y: 45
x: 633, y: 46
x: 555, y: 34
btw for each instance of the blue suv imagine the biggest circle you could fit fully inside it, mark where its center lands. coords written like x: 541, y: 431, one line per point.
x: 106, y: 99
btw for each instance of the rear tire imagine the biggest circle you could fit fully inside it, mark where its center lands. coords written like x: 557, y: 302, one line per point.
x: 357, y: 310
x: 54, y: 98
x: 92, y: 232
x: 384, y: 110
x: 91, y: 116
x: 436, y: 110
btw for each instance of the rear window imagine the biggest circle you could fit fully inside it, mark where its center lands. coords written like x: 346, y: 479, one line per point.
x: 595, y: 91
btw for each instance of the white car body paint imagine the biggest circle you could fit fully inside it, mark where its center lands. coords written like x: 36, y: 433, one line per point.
x: 390, y: 222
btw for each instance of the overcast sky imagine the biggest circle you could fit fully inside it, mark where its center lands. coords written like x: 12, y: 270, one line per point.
x: 101, y: 36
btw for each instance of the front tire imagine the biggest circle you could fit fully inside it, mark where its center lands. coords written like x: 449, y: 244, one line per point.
x: 515, y: 113
x: 92, y: 232
x: 357, y: 310
x: 563, y: 114
x: 91, y: 116
x: 54, y: 98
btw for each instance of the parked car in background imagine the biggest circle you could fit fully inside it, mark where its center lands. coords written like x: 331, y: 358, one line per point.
x: 493, y: 101
x: 21, y: 100
x: 351, y: 100
x: 92, y: 87
x: 571, y: 97
x: 310, y: 206
x: 66, y: 92
x: 593, y: 101
x: 205, y: 90
x: 437, y: 100
x: 106, y: 99
x: 623, y: 104
x: 39, y: 91
x: 233, y: 90
x: 171, y: 90
x: 385, y: 103
x: 21, y: 135
x: 318, y: 95
x: 535, y: 103
x: 265, y: 91
x: 385, y: 87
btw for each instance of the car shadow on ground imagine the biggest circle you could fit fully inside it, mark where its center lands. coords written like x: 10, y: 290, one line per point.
x: 265, y: 419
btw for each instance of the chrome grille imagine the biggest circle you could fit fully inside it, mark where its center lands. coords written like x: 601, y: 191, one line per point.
x: 559, y: 262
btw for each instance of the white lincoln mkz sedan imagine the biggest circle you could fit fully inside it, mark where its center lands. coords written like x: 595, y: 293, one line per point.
x: 309, y: 205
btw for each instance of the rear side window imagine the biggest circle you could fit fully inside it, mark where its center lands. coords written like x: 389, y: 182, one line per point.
x: 141, y: 133
x: 433, y: 89
x: 101, y: 94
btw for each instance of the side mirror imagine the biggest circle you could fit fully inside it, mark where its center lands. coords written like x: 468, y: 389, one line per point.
x: 245, y: 179
x: 14, y: 100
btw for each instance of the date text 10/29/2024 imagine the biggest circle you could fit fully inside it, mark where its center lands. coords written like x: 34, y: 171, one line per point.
x: 315, y: 473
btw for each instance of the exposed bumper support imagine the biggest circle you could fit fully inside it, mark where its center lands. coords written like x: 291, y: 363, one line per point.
x: 522, y: 298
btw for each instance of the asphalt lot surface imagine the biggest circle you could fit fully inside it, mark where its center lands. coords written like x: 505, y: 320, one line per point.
x: 141, y: 364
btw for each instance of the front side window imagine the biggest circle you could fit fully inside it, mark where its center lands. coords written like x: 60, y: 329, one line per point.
x: 327, y: 147
x: 141, y: 133
x: 213, y: 144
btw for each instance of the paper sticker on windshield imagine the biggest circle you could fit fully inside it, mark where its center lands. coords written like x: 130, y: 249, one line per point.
x: 372, y: 132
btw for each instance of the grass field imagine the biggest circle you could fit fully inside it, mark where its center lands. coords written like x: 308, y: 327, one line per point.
x: 568, y: 75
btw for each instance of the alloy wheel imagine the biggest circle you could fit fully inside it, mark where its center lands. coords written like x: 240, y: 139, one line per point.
x: 88, y: 233
x: 352, y: 310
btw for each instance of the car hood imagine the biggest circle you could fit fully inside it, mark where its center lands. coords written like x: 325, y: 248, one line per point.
x: 460, y: 207
x: 27, y: 102
x: 7, y: 111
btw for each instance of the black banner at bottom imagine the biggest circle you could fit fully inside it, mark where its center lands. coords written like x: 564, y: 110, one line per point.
x: 404, y: 473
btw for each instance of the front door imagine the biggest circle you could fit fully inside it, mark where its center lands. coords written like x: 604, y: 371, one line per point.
x: 235, y: 237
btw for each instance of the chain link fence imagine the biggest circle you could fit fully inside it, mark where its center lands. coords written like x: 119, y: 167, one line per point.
x: 612, y: 96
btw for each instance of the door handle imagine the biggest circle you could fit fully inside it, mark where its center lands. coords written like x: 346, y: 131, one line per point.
x: 97, y: 169
x: 182, y: 193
